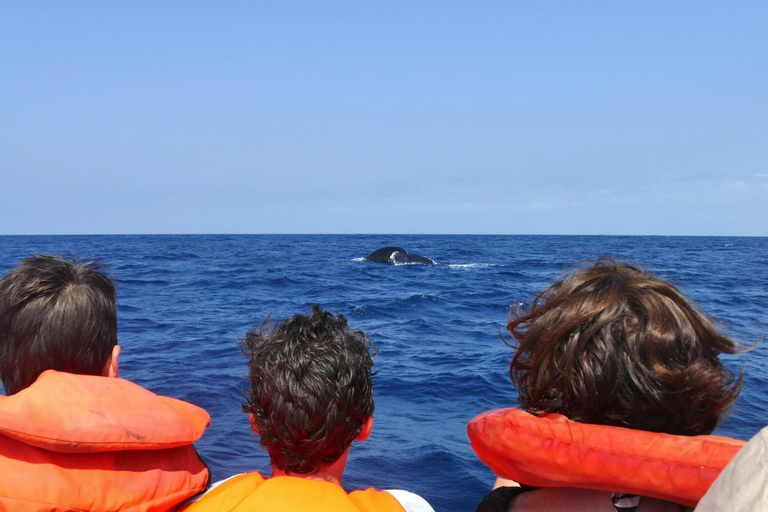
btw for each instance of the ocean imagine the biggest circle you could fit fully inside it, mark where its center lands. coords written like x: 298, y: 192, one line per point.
x: 186, y: 301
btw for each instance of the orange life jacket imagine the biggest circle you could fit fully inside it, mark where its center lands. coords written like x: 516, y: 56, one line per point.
x: 86, y: 443
x: 290, y: 494
x: 553, y: 451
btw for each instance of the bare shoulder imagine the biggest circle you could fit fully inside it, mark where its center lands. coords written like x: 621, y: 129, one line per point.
x: 504, y: 482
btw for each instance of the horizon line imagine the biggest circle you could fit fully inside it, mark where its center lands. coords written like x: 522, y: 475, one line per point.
x: 384, y: 234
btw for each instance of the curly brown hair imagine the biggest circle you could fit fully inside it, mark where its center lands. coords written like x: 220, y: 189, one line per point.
x: 610, y: 344
x: 311, y: 388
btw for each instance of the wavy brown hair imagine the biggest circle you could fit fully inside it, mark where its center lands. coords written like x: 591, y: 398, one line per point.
x: 610, y: 344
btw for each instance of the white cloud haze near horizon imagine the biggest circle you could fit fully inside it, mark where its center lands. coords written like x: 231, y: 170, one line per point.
x: 440, y: 117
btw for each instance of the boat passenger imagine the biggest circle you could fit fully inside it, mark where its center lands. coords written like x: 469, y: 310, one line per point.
x: 73, y: 436
x: 610, y: 363
x: 311, y: 396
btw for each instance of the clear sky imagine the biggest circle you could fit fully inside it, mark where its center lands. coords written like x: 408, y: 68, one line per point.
x: 384, y: 117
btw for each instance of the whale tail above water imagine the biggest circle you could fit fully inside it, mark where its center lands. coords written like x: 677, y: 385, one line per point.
x: 394, y: 255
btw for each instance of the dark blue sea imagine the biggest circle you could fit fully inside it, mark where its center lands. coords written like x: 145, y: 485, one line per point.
x: 186, y: 301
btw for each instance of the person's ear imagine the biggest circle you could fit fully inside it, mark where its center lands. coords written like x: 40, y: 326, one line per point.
x: 254, y: 426
x: 365, y: 430
x: 111, y: 367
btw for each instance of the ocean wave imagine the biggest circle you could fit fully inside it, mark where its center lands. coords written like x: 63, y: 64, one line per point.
x: 468, y: 266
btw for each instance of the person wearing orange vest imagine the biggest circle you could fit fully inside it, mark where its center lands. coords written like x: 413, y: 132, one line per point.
x: 74, y: 436
x: 620, y: 382
x: 311, y: 396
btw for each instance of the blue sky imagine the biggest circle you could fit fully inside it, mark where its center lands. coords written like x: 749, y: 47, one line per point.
x: 388, y: 117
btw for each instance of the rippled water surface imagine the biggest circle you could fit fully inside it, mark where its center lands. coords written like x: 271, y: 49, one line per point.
x: 185, y: 302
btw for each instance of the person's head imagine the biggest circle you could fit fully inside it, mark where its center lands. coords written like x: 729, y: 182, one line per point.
x: 613, y: 345
x: 56, y: 314
x: 311, y: 389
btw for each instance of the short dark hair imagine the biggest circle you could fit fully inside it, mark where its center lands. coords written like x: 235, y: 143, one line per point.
x: 611, y: 344
x: 55, y: 314
x: 311, y: 388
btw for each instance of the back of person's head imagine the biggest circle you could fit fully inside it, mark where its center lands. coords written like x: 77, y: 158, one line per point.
x: 613, y: 345
x: 311, y: 388
x: 55, y: 314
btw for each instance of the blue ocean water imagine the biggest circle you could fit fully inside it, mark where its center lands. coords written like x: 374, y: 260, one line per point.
x: 186, y: 301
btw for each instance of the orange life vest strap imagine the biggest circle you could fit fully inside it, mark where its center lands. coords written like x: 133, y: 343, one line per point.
x: 553, y: 451
x: 288, y: 494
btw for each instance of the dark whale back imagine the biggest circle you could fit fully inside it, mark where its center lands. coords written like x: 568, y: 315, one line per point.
x: 383, y: 256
